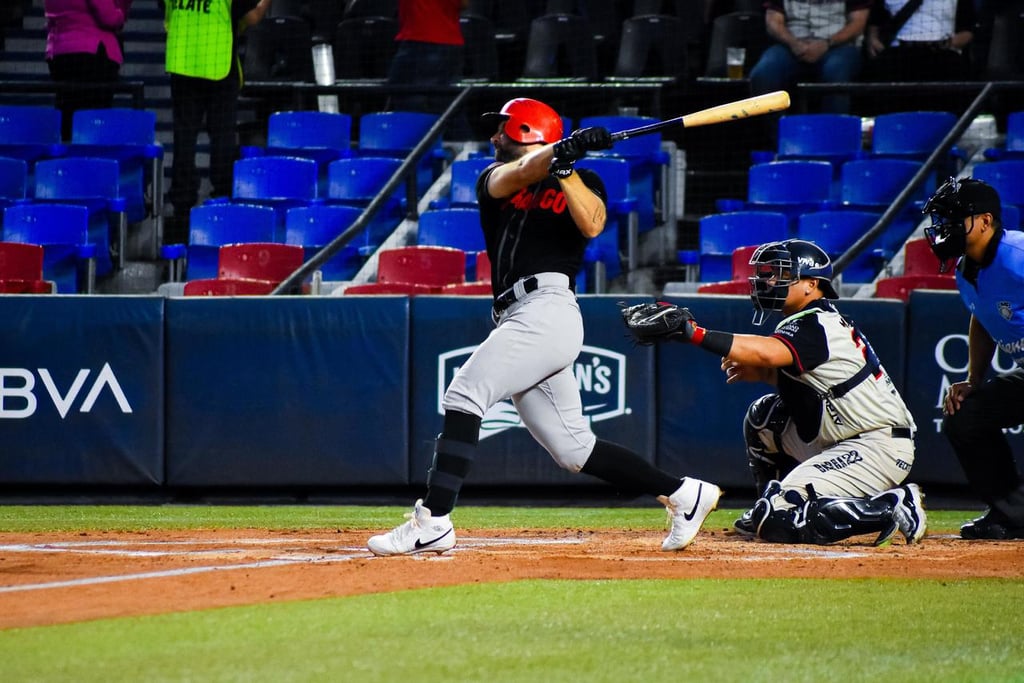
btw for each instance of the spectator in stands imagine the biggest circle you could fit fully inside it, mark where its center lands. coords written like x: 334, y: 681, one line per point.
x: 83, y: 45
x: 429, y: 54
x: 206, y: 77
x: 814, y: 41
x: 925, y: 42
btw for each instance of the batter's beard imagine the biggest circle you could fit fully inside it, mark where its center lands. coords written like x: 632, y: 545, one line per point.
x: 504, y: 155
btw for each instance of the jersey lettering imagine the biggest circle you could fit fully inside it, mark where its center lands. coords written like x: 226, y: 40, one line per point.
x: 550, y: 200
x: 193, y: 5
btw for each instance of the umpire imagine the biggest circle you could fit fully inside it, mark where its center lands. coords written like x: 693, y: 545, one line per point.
x: 967, y: 225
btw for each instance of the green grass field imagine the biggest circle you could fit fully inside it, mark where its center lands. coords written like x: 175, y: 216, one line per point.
x: 636, y: 630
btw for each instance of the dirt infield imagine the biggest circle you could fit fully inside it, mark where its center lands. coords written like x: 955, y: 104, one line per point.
x: 49, y: 579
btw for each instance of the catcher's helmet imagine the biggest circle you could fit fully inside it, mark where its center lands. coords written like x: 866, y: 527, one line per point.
x: 527, y: 121
x: 778, y: 266
x: 949, y: 209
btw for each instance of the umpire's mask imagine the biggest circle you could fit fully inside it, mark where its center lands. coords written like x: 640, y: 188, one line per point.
x: 949, y: 208
x: 780, y: 265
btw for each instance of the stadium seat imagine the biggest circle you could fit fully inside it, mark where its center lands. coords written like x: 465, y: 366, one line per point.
x: 396, y: 134
x: 415, y: 270
x: 454, y: 227
x: 560, y: 46
x: 722, y: 233
x: 21, y: 269
x: 483, y: 267
x: 1007, y: 177
x: 364, y: 46
x: 790, y: 187
x: 129, y: 137
x: 62, y: 230
x: 279, y: 49
x: 314, y: 227
x: 270, y: 261
x: 280, y: 182
x: 95, y: 184
x: 623, y: 222
x: 357, y: 181
x: 13, y: 182
x: 214, y: 224
x: 736, y: 29
x: 919, y: 259
x: 648, y: 163
x: 481, y: 48
x: 835, y: 138
x: 873, y: 184
x: 30, y: 132
x: 462, y: 186
x: 318, y: 135
x: 837, y: 230
x: 228, y: 287
x: 1013, y: 144
x: 739, y: 282
x: 915, y: 135
x: 900, y: 286
x: 649, y: 46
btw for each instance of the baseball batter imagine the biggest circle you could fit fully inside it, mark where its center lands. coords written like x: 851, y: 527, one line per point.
x: 831, y: 448
x: 537, y: 213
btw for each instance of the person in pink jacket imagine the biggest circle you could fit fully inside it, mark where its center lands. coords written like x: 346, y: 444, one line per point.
x: 83, y: 45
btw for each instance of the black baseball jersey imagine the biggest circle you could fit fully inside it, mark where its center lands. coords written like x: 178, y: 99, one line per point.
x: 532, y: 231
x: 836, y: 387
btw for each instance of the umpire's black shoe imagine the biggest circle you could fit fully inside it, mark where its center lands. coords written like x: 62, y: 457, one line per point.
x: 992, y: 526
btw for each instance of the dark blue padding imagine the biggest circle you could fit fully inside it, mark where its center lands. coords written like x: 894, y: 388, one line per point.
x: 275, y: 391
x: 96, y: 414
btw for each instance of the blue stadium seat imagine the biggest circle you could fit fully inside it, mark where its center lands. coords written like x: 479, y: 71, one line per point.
x: 464, y: 174
x: 648, y: 162
x: 13, y: 182
x: 722, y: 233
x: 396, y: 134
x: 873, y: 184
x: 623, y: 221
x: 95, y: 184
x: 1007, y: 177
x: 824, y: 137
x: 837, y: 230
x: 1013, y: 145
x: 790, y: 187
x: 457, y: 227
x: 279, y: 182
x: 63, y: 232
x: 915, y: 135
x: 129, y: 137
x: 317, y: 135
x: 217, y: 223
x: 313, y: 227
x: 30, y: 132
x: 357, y: 181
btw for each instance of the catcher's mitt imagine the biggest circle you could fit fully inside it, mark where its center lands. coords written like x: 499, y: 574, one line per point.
x: 658, y: 321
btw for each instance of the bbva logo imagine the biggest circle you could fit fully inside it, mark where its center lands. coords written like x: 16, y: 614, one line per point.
x: 600, y: 374
x: 18, y: 398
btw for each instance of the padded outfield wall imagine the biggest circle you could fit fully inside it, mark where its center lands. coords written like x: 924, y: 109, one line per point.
x: 263, y: 392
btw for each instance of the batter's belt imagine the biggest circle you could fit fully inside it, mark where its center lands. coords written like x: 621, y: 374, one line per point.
x: 526, y: 285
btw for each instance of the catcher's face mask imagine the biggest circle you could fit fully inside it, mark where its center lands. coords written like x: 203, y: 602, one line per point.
x: 774, y: 273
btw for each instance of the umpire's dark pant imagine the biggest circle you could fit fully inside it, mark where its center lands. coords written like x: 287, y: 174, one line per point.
x: 976, y: 433
x: 194, y: 100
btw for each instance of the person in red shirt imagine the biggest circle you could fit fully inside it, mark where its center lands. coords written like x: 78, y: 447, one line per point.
x: 430, y: 53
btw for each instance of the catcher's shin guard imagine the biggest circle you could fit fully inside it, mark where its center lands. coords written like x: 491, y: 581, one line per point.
x: 822, y: 521
x: 763, y: 424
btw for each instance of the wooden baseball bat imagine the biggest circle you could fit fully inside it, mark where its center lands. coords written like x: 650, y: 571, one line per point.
x: 730, y: 111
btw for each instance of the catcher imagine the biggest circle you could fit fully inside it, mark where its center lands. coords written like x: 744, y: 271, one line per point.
x: 830, y: 449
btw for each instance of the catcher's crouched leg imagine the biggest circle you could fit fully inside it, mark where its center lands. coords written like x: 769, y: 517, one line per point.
x: 822, y: 521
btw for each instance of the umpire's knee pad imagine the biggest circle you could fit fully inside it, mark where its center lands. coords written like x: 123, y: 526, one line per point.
x: 763, y: 424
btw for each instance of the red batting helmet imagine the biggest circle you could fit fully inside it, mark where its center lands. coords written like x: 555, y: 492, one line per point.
x: 528, y: 121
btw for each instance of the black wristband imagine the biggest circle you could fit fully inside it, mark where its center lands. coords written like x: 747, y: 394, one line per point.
x: 718, y: 343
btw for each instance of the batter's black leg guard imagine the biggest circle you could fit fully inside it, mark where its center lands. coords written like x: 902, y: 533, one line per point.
x: 627, y: 471
x: 454, y: 452
x: 763, y: 424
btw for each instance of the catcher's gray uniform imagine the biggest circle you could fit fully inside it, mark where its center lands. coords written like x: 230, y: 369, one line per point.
x: 847, y: 426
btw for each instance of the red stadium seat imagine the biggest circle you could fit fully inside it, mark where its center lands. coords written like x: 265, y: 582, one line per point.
x: 228, y: 287
x: 269, y: 261
x: 468, y: 288
x: 408, y: 288
x: 900, y: 286
x: 725, y: 287
x: 483, y: 267
x: 919, y: 259
x: 424, y: 265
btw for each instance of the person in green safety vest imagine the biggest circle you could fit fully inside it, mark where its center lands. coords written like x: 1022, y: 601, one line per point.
x: 206, y: 77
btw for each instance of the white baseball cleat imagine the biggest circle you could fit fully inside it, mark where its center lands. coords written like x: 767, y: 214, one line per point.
x: 423, y: 533
x: 909, y: 513
x: 687, y: 509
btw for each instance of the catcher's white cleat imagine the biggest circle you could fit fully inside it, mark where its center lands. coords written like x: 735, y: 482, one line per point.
x: 423, y: 533
x: 688, y: 507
